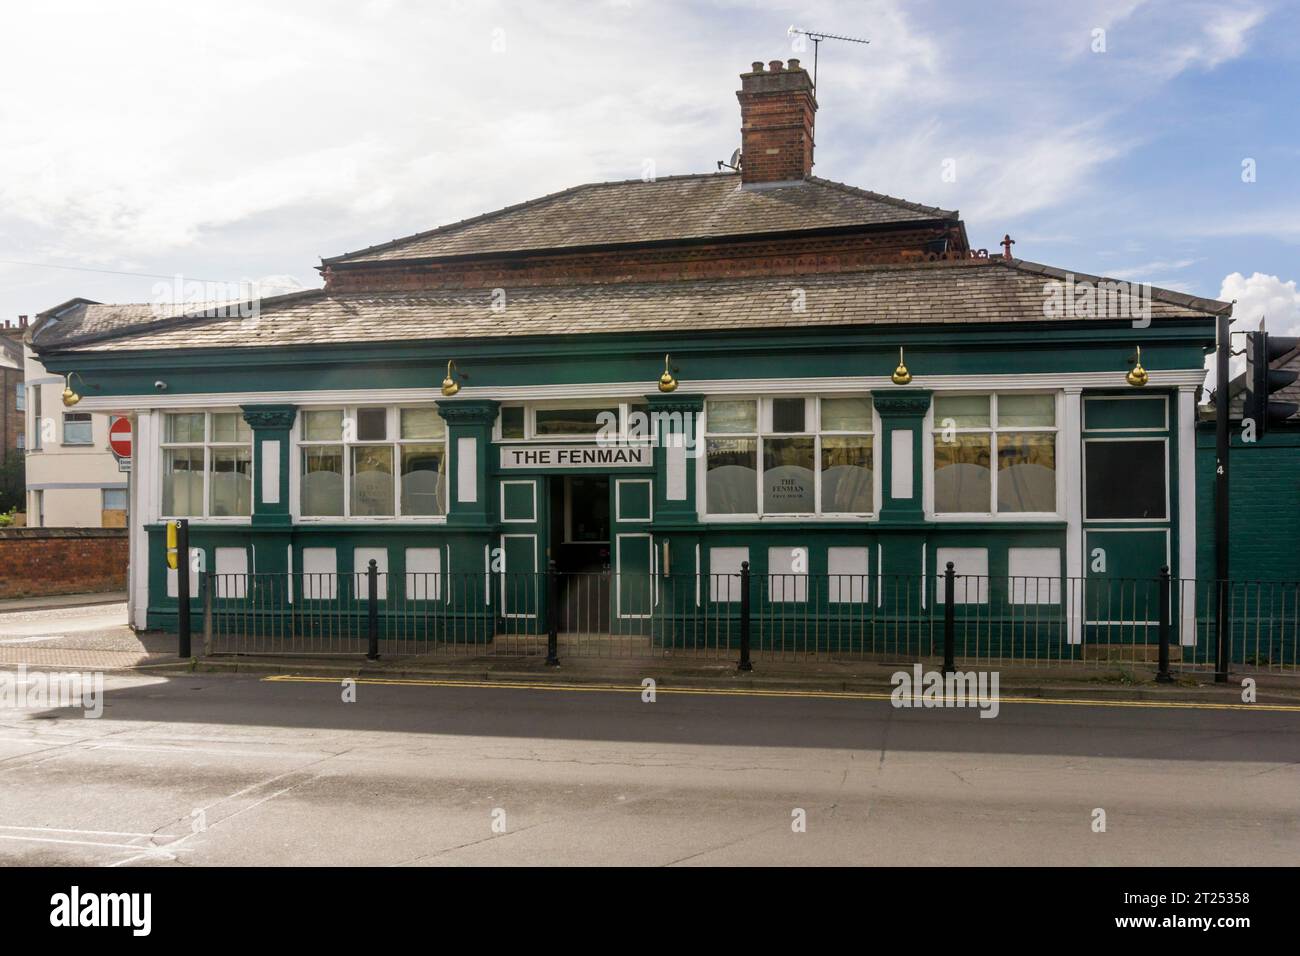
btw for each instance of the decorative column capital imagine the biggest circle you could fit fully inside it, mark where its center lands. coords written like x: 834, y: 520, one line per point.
x: 693, y: 404
x: 911, y: 403
x: 468, y: 411
x: 269, y: 417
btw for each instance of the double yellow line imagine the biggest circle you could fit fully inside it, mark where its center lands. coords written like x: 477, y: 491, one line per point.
x: 758, y: 692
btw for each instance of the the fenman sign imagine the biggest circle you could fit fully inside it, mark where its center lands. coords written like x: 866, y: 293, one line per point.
x: 576, y: 456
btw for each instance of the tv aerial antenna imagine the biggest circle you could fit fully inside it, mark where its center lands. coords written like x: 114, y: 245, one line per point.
x: 817, y: 37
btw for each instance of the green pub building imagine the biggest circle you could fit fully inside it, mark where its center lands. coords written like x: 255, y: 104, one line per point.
x: 657, y: 380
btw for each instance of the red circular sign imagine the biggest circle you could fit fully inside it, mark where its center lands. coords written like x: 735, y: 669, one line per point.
x: 119, y: 437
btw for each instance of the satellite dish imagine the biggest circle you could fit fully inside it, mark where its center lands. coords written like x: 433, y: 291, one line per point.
x: 735, y: 159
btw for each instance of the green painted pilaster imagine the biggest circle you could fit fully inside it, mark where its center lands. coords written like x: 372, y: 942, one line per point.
x: 676, y: 456
x: 901, y: 411
x: 272, y: 454
x: 470, y: 450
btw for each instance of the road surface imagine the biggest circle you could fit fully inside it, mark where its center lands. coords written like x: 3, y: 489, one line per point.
x: 215, y: 769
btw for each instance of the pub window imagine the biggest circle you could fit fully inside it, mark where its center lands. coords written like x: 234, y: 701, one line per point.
x: 578, y: 422
x: 789, y: 456
x: 372, y: 463
x: 207, y: 465
x: 1125, y: 480
x: 995, y: 454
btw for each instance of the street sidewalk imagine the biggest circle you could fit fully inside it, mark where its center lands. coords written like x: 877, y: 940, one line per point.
x: 48, y: 601
x: 776, y: 677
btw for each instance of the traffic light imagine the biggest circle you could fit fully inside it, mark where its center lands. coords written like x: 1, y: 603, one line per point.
x: 1261, y: 381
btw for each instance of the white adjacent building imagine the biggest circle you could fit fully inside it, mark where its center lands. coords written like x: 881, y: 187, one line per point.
x: 73, y: 479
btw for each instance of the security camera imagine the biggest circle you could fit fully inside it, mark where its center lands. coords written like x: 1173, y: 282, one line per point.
x: 160, y: 385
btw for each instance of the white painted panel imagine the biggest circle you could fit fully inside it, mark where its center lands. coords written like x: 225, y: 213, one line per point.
x: 1034, y: 575
x: 231, y: 570
x: 361, y: 558
x: 270, y: 471
x: 724, y: 573
x: 848, y: 571
x: 1186, y: 513
x: 319, y: 567
x: 675, y: 486
x: 423, y: 574
x: 467, y: 470
x: 900, y: 471
x: 973, y: 562
x: 1069, y: 448
x: 784, y: 583
x: 194, y: 581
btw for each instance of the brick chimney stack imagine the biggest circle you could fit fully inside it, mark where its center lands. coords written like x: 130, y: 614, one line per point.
x: 776, y: 123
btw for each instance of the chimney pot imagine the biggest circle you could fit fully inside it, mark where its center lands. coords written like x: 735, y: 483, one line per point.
x: 757, y: 66
x: 776, y: 123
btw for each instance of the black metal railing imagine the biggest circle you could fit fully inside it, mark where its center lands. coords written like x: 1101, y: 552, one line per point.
x: 748, y: 616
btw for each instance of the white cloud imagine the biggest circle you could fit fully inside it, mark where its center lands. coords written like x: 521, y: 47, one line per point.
x: 1263, y: 297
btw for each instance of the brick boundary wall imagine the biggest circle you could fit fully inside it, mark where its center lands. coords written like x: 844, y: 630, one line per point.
x: 35, y: 562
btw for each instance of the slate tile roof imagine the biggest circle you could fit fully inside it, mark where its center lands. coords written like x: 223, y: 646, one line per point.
x: 669, y: 208
x: 960, y: 292
x: 1237, y: 389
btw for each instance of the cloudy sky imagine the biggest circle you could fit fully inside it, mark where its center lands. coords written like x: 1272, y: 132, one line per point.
x: 228, y: 140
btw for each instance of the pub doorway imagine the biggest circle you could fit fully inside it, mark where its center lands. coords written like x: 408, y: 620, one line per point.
x: 580, y: 546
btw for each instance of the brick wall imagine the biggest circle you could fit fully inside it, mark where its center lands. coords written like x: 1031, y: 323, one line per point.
x: 41, y: 561
x: 11, y: 419
x: 733, y: 259
x: 1264, y: 517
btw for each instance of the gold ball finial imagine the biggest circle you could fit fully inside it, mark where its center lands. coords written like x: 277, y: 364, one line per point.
x: 1137, y: 375
x: 901, y: 375
x: 667, y: 382
x: 449, y: 384
x: 70, y: 397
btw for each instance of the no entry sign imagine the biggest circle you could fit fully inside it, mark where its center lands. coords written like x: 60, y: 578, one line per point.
x: 119, y: 436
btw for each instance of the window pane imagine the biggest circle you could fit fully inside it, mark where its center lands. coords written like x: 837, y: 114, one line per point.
x: 230, y: 427
x: 788, y: 415
x: 114, y: 499
x: 372, y: 424
x: 424, y: 480
x: 182, y: 491
x: 1018, y: 410
x: 512, y: 422
x: 639, y: 424
x: 788, y: 476
x: 576, y: 421
x: 846, y: 475
x: 731, y: 486
x: 1124, y: 479
x: 422, y: 423
x: 968, y: 411
x: 372, y: 480
x: 77, y: 428
x: 1026, y: 471
x: 322, y: 426
x: 230, y: 486
x: 733, y: 417
x: 846, y: 414
x: 962, y: 480
x: 322, y: 478
x: 184, y: 427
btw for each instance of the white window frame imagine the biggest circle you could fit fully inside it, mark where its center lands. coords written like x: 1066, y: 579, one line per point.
x: 812, y: 429
x: 89, y: 422
x: 1163, y: 440
x: 623, y: 404
x: 208, y: 445
x: 392, y: 429
x: 931, y: 430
